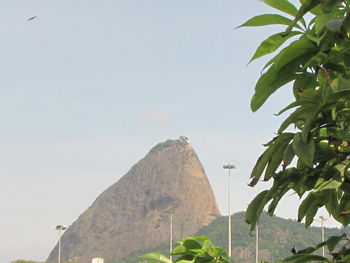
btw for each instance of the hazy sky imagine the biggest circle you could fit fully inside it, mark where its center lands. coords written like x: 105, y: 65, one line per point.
x: 88, y: 87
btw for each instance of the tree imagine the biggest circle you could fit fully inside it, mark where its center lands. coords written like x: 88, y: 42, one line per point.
x: 316, y: 64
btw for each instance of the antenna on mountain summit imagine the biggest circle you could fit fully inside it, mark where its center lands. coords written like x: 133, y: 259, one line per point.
x: 183, y: 139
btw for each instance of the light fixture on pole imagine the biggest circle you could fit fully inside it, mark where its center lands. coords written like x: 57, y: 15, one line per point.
x: 60, y: 228
x: 229, y: 167
x: 322, y: 219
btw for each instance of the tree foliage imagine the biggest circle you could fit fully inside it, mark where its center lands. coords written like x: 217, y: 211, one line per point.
x: 192, y: 250
x: 316, y: 64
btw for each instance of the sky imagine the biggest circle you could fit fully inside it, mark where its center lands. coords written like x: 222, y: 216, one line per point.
x: 89, y: 87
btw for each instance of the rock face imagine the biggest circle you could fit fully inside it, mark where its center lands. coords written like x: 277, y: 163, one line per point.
x: 134, y: 213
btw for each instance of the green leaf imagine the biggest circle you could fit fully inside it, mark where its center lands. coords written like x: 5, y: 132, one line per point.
x: 207, y: 245
x: 309, y: 201
x: 317, y: 11
x: 328, y: 5
x: 340, y: 84
x: 275, y: 161
x: 268, y: 83
x: 322, y: 185
x: 321, y: 21
x: 307, y: 127
x: 335, y: 24
x: 316, y: 40
x: 288, y: 155
x: 304, y: 83
x: 341, y: 168
x: 267, y: 19
x: 191, y: 243
x: 310, y: 250
x: 185, y: 261
x: 310, y: 213
x: 304, y: 258
x: 346, y: 24
x: 344, y: 206
x: 199, y: 239
x: 332, y: 205
x: 256, y: 207
x: 186, y: 258
x: 294, y: 50
x: 271, y: 44
x: 290, y: 106
x: 277, y: 197
x: 334, y: 97
x: 316, y: 60
x: 345, y: 187
x: 346, y: 258
x: 178, y: 250
x: 307, y: 112
x: 266, y: 157
x: 307, y: 5
x: 157, y: 256
x: 305, y: 151
x: 284, y: 69
x: 282, y: 5
x: 333, y: 241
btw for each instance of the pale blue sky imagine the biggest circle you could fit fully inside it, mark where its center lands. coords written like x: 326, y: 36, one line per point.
x: 89, y: 87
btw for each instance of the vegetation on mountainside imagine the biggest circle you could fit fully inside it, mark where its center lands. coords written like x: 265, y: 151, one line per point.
x: 277, y: 237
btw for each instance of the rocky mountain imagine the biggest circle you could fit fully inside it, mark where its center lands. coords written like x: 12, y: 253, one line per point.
x: 134, y: 213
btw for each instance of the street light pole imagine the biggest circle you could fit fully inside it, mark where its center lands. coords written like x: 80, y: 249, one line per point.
x: 257, y: 243
x: 229, y: 167
x: 171, y: 236
x: 322, y: 219
x: 60, y: 228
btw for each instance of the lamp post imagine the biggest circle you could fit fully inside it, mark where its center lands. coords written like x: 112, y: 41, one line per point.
x: 60, y: 228
x: 322, y: 219
x: 257, y: 243
x: 171, y: 236
x: 229, y: 167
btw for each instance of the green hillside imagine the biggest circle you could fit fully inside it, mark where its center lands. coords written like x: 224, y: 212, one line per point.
x: 277, y: 236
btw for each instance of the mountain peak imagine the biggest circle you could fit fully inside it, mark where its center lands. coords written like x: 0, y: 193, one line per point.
x: 181, y: 142
x: 134, y: 213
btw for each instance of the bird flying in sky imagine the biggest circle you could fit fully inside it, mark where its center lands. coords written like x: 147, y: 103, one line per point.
x: 32, y: 18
